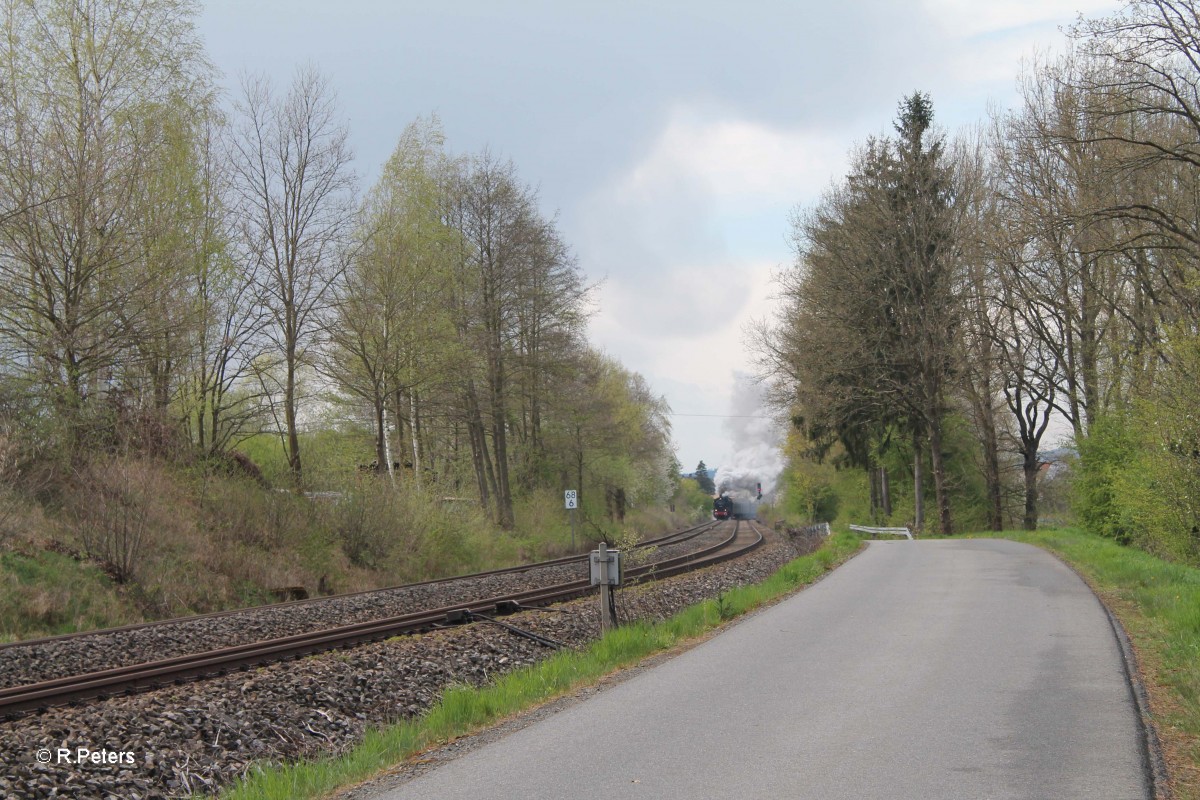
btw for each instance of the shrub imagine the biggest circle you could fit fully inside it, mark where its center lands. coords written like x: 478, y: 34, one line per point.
x: 117, y: 510
x: 9, y: 471
x: 543, y: 527
x: 691, y: 499
x: 1103, y: 455
x: 364, y: 522
x: 808, y: 493
x: 1138, y: 478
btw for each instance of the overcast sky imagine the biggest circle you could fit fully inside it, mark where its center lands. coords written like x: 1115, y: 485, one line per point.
x: 672, y: 139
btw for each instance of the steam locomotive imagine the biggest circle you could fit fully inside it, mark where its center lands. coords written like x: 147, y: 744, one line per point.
x: 736, y: 505
x: 723, y: 507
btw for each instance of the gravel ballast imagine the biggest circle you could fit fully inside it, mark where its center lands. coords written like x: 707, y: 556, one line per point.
x: 23, y: 663
x: 201, y: 736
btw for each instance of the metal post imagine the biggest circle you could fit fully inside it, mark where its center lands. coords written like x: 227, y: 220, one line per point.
x: 607, y: 622
x: 573, y: 530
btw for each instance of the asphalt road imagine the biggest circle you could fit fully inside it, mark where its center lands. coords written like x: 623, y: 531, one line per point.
x: 941, y: 669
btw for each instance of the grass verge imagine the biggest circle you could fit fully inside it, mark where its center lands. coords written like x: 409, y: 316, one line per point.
x: 465, y: 710
x: 44, y: 594
x: 1158, y: 603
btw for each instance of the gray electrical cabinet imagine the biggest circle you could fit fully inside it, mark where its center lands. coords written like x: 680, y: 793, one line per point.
x: 614, y: 567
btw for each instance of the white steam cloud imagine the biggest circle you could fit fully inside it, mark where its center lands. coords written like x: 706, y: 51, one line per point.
x: 757, y: 437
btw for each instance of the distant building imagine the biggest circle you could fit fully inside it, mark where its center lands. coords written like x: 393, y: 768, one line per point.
x: 1055, y: 463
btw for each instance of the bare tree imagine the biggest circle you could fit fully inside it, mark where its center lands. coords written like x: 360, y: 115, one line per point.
x: 1146, y: 98
x: 295, y: 185
x: 220, y: 399
x: 1029, y: 392
x: 1052, y: 178
x: 982, y: 375
x: 1029, y: 366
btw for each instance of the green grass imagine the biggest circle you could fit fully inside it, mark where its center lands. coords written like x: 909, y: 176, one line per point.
x: 1158, y: 603
x: 463, y: 710
x: 45, y: 594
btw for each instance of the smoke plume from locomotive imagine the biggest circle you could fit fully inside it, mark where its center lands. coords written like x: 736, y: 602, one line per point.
x: 757, y: 443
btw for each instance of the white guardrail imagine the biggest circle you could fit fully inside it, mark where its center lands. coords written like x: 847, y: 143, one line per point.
x: 893, y: 531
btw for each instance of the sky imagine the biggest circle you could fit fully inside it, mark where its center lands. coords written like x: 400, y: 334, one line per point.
x: 672, y: 140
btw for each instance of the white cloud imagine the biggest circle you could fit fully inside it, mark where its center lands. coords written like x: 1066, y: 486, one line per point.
x: 675, y: 300
x: 688, y: 236
x: 739, y: 162
x: 993, y: 64
x: 984, y: 44
x: 970, y: 18
x: 675, y: 232
x: 706, y: 339
x: 693, y: 365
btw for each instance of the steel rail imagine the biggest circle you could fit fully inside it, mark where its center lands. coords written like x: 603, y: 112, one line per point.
x: 18, y: 700
x: 671, y: 538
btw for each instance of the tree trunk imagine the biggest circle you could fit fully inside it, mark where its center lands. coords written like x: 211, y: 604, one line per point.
x: 886, y: 491
x: 479, y: 455
x: 382, y: 460
x: 160, y: 379
x: 991, y: 474
x: 387, y: 445
x: 496, y: 386
x: 985, y: 419
x: 939, y: 476
x: 579, y: 476
x: 293, y: 436
x: 918, y: 485
x: 1031, y: 489
x: 415, y: 429
x: 873, y: 482
x: 215, y: 421
x: 1088, y: 349
x: 201, y: 415
x: 504, y: 505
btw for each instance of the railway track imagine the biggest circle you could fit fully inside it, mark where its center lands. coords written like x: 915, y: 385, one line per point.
x: 671, y: 538
x: 128, y: 679
x: 45, y: 659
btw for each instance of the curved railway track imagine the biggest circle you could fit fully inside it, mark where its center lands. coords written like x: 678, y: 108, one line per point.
x: 21, y: 699
x: 46, y: 659
x: 671, y: 538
